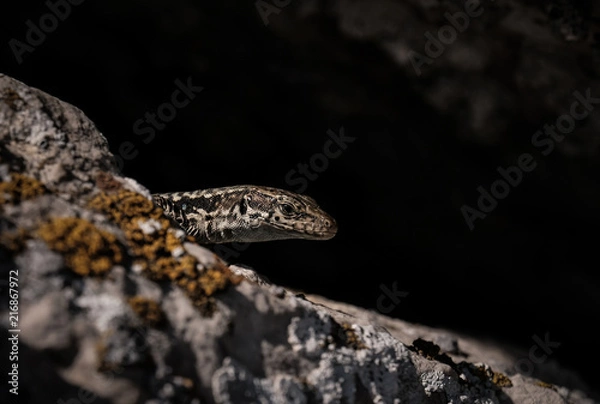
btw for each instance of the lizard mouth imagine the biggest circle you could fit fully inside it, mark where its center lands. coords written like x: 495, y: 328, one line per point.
x: 327, y: 230
x: 323, y: 229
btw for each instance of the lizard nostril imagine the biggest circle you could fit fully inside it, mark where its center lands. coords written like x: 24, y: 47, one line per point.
x: 328, y: 224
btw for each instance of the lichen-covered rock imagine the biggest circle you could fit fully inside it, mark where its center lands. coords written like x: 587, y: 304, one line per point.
x: 117, y: 306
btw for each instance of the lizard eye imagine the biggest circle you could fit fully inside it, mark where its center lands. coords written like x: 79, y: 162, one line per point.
x: 287, y: 208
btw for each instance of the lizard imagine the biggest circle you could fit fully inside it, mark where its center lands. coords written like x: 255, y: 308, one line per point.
x: 246, y: 213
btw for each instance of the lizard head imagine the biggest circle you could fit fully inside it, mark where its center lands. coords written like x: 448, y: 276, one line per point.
x: 276, y: 214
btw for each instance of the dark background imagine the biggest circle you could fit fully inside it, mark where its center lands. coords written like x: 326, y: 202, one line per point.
x: 424, y: 143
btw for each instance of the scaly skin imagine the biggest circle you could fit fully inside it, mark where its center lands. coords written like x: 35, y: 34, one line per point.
x: 246, y: 213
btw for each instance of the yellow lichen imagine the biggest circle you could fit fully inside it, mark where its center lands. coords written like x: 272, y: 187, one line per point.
x: 19, y: 188
x: 351, y: 338
x: 484, y: 372
x: 545, y: 385
x: 148, y: 310
x: 213, y: 280
x: 86, y: 249
x: 154, y: 252
x: 202, y: 288
x: 124, y: 207
x: 501, y: 380
x: 172, y: 242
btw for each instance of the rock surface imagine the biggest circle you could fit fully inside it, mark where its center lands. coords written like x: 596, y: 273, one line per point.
x: 116, y: 306
x: 273, y: 90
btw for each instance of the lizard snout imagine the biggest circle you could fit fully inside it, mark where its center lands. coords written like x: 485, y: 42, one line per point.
x: 329, y: 226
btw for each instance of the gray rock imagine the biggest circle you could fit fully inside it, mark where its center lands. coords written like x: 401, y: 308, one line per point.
x: 117, y: 306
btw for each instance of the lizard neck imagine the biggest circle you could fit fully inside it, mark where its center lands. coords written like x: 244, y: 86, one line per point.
x: 212, y: 215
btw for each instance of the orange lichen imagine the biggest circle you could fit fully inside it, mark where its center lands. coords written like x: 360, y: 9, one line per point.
x: 19, y: 188
x: 158, y: 252
x: 86, y: 249
x: 148, y: 310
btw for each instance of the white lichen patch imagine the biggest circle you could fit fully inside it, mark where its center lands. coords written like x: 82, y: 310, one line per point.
x: 309, y: 334
x: 334, y: 378
x: 249, y: 274
x: 179, y: 234
x: 438, y: 382
x: 233, y: 383
x: 435, y: 381
x: 137, y: 268
x: 205, y: 257
x: 103, y: 308
x: 177, y: 252
x: 149, y: 226
x: 5, y: 173
x: 43, y: 132
x: 134, y: 186
x: 344, y: 373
